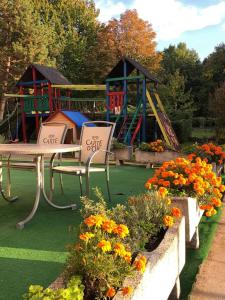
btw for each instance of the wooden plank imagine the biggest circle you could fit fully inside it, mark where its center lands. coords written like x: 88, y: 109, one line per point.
x: 157, y: 118
x: 125, y: 78
x: 83, y: 87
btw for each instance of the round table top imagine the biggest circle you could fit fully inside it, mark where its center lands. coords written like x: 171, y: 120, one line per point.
x: 37, y: 149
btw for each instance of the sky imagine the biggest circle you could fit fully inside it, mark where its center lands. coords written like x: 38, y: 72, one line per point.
x: 198, y: 23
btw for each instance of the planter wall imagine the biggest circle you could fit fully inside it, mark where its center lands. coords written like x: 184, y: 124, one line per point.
x: 193, y: 214
x: 164, y: 265
x: 122, y: 155
x: 151, y: 158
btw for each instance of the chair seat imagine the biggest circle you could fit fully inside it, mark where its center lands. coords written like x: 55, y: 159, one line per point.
x: 23, y: 165
x: 76, y: 169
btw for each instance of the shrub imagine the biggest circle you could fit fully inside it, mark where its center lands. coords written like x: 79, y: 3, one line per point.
x: 183, y: 129
x: 210, y: 152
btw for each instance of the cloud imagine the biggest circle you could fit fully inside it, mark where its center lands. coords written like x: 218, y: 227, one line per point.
x: 109, y: 9
x: 169, y: 18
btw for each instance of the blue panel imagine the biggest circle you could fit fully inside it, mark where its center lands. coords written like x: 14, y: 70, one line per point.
x: 77, y: 117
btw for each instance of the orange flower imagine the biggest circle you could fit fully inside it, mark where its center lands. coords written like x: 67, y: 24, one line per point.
x: 86, y: 236
x: 127, y: 256
x: 176, y: 212
x: 104, y: 245
x: 121, y: 230
x: 168, y: 221
x: 108, y: 225
x: 119, y: 249
x: 211, y: 212
x: 127, y: 290
x: 90, y: 221
x: 111, y: 292
x: 163, y: 191
x: 140, y: 263
x: 216, y: 202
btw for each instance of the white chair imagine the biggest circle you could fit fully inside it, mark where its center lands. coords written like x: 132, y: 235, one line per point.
x: 49, y: 134
x: 95, y: 141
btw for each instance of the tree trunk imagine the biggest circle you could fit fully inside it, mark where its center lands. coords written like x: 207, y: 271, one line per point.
x: 4, y: 89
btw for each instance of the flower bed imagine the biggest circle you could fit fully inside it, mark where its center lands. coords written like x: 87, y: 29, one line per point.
x: 123, y: 154
x: 162, y: 270
x: 190, y: 178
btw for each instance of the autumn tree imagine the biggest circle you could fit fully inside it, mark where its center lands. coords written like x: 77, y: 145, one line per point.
x: 128, y: 36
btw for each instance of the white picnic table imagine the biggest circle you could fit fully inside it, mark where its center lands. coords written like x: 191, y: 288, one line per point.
x: 39, y: 151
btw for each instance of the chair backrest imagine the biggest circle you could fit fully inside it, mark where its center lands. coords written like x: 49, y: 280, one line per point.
x: 52, y: 133
x: 96, y: 135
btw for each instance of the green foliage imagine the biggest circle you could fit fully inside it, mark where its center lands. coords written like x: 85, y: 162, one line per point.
x: 183, y: 129
x: 144, y: 217
x: 118, y: 145
x: 177, y: 100
x: 73, y: 291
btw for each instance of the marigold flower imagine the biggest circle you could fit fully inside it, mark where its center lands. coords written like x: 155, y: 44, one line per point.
x: 211, y: 212
x: 127, y: 290
x: 168, y: 221
x: 163, y: 191
x: 105, y: 246
x: 121, y: 230
x: 108, y: 225
x: 90, y: 221
x: 119, y: 249
x: 127, y: 256
x: 176, y: 212
x: 111, y: 292
x: 140, y: 263
x: 216, y: 202
x: 86, y: 236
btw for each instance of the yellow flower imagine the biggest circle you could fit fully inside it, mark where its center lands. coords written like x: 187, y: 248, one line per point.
x: 86, y: 236
x: 121, y: 230
x: 119, y: 249
x: 104, y: 245
x: 168, y: 221
x: 140, y: 263
x: 108, y: 225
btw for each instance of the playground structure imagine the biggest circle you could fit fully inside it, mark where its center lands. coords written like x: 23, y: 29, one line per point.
x: 44, y: 91
x: 120, y: 83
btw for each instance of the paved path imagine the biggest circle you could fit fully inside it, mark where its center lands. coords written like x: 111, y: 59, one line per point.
x: 210, y: 281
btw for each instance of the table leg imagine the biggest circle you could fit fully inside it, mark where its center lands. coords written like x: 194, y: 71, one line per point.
x: 8, y: 199
x: 21, y: 224
x: 72, y: 206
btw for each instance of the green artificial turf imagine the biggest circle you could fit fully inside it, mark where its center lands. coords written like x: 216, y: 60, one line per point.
x: 194, y: 258
x: 36, y: 254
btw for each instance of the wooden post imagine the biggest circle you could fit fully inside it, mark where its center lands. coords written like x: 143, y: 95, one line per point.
x: 35, y: 101
x: 24, y: 131
x: 50, y: 97
x: 144, y: 110
x: 107, y: 102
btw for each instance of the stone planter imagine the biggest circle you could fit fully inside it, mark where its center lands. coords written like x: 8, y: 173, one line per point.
x: 193, y: 214
x: 123, y: 154
x: 161, y: 277
x: 164, y: 265
x: 151, y: 158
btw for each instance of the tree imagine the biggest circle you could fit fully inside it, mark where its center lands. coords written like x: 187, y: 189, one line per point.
x: 128, y: 36
x: 77, y: 26
x: 186, y: 62
x: 217, y: 109
x: 24, y: 39
x: 177, y: 101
